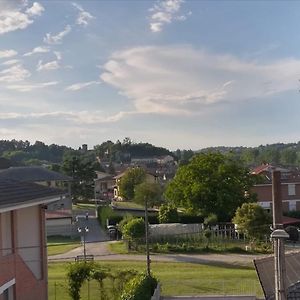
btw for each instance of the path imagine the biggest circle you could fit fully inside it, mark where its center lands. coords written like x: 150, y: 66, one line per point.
x: 101, y: 252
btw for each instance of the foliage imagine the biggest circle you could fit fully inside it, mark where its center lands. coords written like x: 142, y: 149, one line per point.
x: 187, y: 218
x: 293, y: 233
x: 252, y: 220
x: 82, y: 170
x: 211, y: 183
x: 211, y: 220
x: 78, y: 273
x: 134, y: 229
x: 293, y: 214
x: 140, y: 287
x: 130, y: 180
x: 152, y: 192
x: 106, y: 213
x: 168, y: 214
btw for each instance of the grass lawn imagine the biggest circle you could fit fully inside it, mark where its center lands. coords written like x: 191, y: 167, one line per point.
x: 84, y: 206
x: 127, y: 204
x: 176, y: 279
x: 118, y: 247
x: 61, y: 244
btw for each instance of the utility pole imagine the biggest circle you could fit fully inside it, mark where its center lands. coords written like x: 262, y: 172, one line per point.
x: 278, y: 235
x: 147, y: 236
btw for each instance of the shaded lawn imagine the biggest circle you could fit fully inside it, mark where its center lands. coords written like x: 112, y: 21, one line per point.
x: 61, y: 244
x: 127, y: 204
x: 176, y: 279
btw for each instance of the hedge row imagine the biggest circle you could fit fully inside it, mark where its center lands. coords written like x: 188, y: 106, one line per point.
x: 141, y: 287
x: 106, y: 212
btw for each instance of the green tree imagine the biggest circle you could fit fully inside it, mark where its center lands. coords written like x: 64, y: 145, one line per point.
x: 211, y: 183
x: 83, y: 174
x: 130, y: 180
x: 134, y: 229
x: 150, y: 191
x: 252, y: 220
x: 168, y: 214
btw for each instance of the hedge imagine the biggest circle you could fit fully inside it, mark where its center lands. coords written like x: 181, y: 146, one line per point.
x: 141, y: 287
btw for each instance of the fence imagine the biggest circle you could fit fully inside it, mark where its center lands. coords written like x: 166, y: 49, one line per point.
x: 90, y: 290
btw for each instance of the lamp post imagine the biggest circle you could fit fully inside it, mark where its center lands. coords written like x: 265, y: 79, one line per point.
x: 83, y: 231
x: 147, y: 236
x: 278, y: 235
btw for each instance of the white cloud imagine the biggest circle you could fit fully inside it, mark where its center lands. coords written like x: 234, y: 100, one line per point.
x: 14, y: 74
x: 39, y: 49
x: 30, y: 87
x: 58, y: 55
x: 35, y: 10
x: 57, y: 39
x: 11, y: 62
x: 165, y: 12
x: 183, y: 80
x: 78, y: 117
x: 80, y: 85
x: 84, y: 17
x: 16, y: 15
x: 8, y: 53
x: 52, y: 65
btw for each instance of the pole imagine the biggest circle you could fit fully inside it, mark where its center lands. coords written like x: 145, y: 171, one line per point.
x: 84, y: 250
x: 279, y: 253
x: 147, y: 237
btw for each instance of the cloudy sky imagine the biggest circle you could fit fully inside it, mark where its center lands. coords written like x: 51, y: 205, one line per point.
x: 175, y: 73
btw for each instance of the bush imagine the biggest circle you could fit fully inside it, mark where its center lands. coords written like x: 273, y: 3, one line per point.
x: 211, y: 220
x: 140, y: 287
x: 106, y: 212
x: 168, y: 214
x: 134, y: 229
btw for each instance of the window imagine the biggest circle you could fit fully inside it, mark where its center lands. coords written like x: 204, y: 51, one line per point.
x: 292, y: 205
x: 291, y: 189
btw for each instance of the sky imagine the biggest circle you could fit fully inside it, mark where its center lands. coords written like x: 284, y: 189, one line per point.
x: 174, y: 73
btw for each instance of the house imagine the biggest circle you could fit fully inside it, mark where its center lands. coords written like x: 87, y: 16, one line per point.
x: 62, y: 208
x: 104, y: 186
x: 23, y: 248
x: 290, y: 187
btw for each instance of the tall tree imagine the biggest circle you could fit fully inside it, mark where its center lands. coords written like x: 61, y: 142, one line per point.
x: 211, y: 183
x: 252, y: 220
x: 130, y: 180
x: 150, y: 191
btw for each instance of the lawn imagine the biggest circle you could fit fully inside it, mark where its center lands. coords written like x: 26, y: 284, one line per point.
x: 61, y: 244
x: 127, y: 204
x: 176, y: 279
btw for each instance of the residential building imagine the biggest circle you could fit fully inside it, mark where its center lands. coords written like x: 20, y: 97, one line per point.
x: 290, y: 187
x: 104, y: 186
x: 23, y: 248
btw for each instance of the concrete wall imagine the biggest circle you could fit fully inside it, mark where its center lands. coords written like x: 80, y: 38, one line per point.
x: 174, y: 229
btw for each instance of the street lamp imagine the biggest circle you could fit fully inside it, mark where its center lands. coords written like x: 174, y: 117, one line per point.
x: 83, y: 231
x: 147, y: 236
x: 278, y: 235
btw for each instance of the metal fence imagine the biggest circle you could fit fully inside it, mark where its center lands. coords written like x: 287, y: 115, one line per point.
x: 90, y: 290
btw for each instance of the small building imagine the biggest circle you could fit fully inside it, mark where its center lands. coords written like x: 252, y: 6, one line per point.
x: 104, y: 186
x: 23, y: 248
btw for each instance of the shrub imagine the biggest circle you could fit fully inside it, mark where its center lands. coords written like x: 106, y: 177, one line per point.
x: 134, y: 229
x: 168, y: 214
x: 190, y: 219
x: 140, y: 287
x: 106, y: 212
x: 211, y: 220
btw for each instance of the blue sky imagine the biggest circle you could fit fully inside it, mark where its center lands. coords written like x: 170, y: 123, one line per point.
x: 175, y: 73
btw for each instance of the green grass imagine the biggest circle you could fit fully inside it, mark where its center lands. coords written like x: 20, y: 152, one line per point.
x: 61, y: 244
x: 83, y: 206
x: 118, y: 247
x: 127, y: 204
x: 176, y: 279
